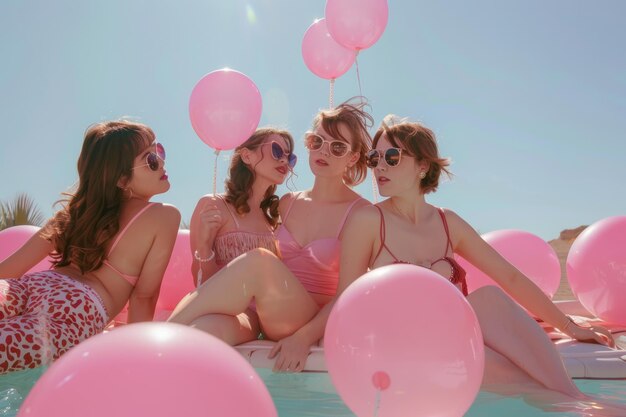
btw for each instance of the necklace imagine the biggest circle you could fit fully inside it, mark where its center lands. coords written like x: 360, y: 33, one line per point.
x: 400, y: 213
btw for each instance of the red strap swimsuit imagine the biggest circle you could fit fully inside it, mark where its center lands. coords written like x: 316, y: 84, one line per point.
x: 457, y: 275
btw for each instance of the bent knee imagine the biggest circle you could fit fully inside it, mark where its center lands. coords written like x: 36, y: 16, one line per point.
x: 489, y: 296
x: 263, y: 259
x: 261, y: 255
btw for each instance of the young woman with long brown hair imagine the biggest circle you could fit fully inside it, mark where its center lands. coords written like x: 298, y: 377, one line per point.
x: 109, y: 243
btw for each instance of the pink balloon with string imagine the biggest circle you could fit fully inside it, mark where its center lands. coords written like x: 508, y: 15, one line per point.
x: 225, y: 108
x: 402, y: 340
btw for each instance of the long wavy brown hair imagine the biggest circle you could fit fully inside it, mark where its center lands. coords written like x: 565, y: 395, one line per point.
x: 241, y: 177
x: 82, y: 230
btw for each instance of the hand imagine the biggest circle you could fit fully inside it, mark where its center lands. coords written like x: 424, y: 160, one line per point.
x: 291, y: 354
x: 210, y: 222
x: 591, y: 334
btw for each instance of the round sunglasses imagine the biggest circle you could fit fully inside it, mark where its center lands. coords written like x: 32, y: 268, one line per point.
x: 314, y: 142
x: 392, y: 157
x: 278, y: 153
x: 152, y: 159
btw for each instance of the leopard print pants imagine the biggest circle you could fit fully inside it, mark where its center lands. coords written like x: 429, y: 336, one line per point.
x: 44, y: 314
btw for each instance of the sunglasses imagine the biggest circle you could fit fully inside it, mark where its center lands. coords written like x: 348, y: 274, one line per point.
x: 314, y: 142
x: 391, y: 156
x: 152, y: 159
x: 278, y: 153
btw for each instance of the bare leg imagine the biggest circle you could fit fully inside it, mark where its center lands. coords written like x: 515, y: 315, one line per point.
x: 511, y: 332
x: 282, y: 303
x: 505, y: 378
x: 233, y: 330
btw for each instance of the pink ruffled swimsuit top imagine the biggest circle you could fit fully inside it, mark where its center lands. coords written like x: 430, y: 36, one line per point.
x: 231, y: 244
x: 315, y: 264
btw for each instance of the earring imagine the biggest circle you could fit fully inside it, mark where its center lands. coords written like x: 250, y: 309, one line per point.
x: 422, y: 175
x: 130, y: 192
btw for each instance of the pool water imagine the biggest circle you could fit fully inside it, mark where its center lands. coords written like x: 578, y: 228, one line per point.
x: 312, y: 394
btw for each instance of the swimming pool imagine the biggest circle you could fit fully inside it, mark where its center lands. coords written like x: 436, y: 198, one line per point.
x: 312, y: 395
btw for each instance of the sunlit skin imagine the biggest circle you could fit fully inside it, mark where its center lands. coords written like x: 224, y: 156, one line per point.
x: 125, y: 267
x: 517, y: 350
x: 288, y: 314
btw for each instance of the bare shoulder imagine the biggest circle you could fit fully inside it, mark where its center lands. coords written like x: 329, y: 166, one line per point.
x: 458, y: 226
x: 362, y: 202
x: 286, y: 200
x: 288, y: 197
x: 211, y: 199
x: 163, y: 213
x: 365, y: 214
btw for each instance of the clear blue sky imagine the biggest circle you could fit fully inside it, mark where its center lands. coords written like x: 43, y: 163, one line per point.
x: 527, y: 97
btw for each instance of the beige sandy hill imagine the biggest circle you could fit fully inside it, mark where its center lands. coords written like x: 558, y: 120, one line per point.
x: 561, y: 246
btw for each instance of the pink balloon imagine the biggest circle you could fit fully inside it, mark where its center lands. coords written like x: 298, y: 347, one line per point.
x: 150, y: 369
x: 407, y: 335
x: 225, y: 108
x: 322, y: 55
x: 177, y: 280
x: 12, y: 238
x: 356, y: 24
x: 596, y: 269
x: 527, y: 252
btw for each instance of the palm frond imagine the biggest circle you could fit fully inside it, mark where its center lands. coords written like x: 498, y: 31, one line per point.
x: 22, y: 210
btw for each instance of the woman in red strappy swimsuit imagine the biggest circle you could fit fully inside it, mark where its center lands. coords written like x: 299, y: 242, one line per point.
x: 109, y: 243
x: 407, y: 166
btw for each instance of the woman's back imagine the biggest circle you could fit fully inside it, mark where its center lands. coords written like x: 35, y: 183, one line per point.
x: 142, y: 229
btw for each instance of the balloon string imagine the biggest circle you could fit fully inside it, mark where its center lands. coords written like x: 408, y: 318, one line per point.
x: 374, y: 189
x: 217, y: 153
x: 331, y: 93
x: 377, y: 404
x: 358, y: 75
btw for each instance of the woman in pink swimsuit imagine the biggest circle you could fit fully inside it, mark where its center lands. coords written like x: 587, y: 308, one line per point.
x: 242, y: 219
x: 407, y: 229
x: 290, y: 292
x: 110, y: 246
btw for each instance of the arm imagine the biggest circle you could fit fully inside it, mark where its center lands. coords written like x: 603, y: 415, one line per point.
x: 468, y: 243
x: 143, y: 298
x: 202, y: 231
x: 357, y: 242
x: 32, y: 252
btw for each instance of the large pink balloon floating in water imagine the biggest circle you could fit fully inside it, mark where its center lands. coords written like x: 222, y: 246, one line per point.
x: 322, y: 55
x: 225, y: 108
x: 529, y: 253
x: 356, y: 24
x: 12, y: 238
x: 403, y: 341
x: 596, y: 269
x: 150, y: 369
